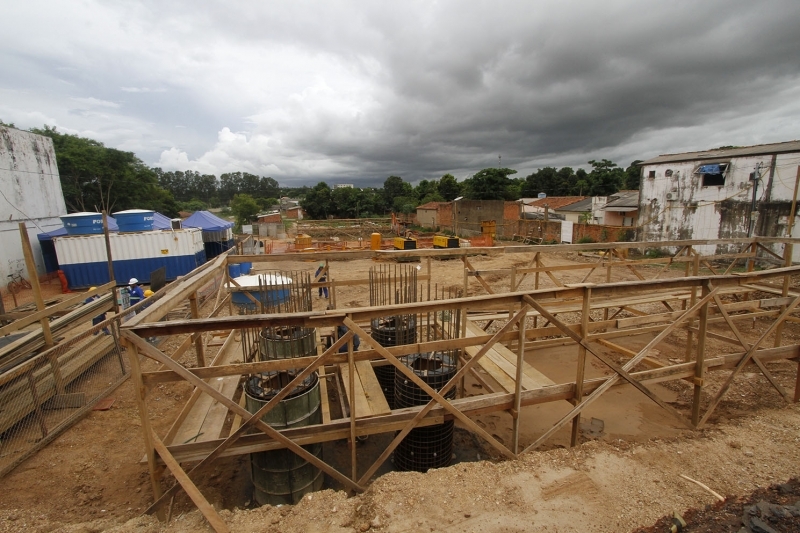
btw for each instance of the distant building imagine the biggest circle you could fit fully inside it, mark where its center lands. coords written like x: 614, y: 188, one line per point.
x: 427, y: 215
x: 270, y: 225
x: 295, y: 213
x: 621, y: 209
x: 343, y: 186
x: 720, y: 194
x: 31, y: 191
x: 535, y: 208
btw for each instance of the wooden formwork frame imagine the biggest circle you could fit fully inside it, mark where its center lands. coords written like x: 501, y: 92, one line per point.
x: 701, y: 305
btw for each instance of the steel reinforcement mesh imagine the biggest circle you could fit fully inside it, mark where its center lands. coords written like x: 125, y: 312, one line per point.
x: 392, y: 331
x: 42, y: 394
x: 431, y: 446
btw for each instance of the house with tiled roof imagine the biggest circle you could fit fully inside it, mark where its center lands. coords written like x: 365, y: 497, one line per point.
x: 427, y: 214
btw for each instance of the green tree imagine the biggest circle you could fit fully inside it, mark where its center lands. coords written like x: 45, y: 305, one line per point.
x: 96, y: 178
x: 317, y: 201
x: 490, y: 184
x: 245, y: 208
x: 449, y: 188
x: 394, y: 187
x: 605, y: 178
x: 632, y: 175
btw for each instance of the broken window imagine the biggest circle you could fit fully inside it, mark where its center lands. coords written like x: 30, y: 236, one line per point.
x: 712, y: 174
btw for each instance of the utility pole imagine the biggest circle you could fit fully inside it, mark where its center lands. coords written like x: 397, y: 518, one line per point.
x: 753, y: 206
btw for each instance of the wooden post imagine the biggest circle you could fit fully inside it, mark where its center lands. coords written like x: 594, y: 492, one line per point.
x: 700, y: 359
x: 140, y: 392
x: 692, y: 301
x: 30, y: 264
x: 518, y: 387
x: 788, y: 252
x: 581, y: 371
x: 111, y: 277
x: 197, y: 337
x: 351, y: 365
x: 227, y: 283
x: 513, y: 284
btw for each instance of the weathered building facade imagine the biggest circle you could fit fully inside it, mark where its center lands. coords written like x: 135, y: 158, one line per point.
x: 31, y: 193
x: 720, y: 194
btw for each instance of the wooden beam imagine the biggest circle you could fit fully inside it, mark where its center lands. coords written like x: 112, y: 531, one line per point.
x: 207, y: 510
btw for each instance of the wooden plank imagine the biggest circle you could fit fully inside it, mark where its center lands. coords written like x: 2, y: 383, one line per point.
x: 35, y: 317
x: 506, y: 360
x: 357, y: 397
x: 324, y: 401
x: 372, y: 389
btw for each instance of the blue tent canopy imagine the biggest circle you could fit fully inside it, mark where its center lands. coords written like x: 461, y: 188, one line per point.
x: 206, y: 221
x: 161, y: 221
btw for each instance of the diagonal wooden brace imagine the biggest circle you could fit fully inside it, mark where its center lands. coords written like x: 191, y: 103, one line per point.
x: 746, y: 346
x: 745, y: 358
x: 609, y: 363
x: 266, y: 408
x: 608, y: 383
x: 436, y: 396
x: 153, y: 353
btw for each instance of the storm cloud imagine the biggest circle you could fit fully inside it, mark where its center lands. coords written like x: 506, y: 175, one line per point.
x: 357, y: 91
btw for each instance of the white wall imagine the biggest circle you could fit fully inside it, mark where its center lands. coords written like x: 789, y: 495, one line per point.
x: 716, y: 212
x: 30, y: 192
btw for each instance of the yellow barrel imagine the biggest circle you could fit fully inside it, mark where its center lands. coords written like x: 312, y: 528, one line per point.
x: 375, y: 241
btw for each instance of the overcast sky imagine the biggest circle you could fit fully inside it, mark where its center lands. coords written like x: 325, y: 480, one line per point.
x: 355, y: 91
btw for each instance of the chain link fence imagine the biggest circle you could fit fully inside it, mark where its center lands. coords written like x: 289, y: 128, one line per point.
x: 42, y: 394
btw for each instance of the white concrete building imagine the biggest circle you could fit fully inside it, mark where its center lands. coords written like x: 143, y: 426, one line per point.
x: 720, y: 194
x: 30, y: 192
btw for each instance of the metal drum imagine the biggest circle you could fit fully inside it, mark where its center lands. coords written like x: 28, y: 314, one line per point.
x: 431, y: 446
x: 281, y: 476
x: 392, y: 331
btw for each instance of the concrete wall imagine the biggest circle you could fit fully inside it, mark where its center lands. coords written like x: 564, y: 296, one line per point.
x: 31, y: 193
x: 427, y: 218
x: 718, y: 212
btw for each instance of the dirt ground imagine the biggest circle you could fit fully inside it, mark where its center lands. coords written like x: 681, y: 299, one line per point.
x: 625, y: 474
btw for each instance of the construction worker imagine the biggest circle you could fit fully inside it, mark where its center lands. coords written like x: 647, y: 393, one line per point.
x: 99, y: 318
x: 135, y: 290
x: 322, y: 290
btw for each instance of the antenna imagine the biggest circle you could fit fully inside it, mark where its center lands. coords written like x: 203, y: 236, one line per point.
x: 498, y: 162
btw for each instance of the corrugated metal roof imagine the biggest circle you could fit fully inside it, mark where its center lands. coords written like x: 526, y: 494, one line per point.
x: 578, y: 207
x: 624, y: 199
x: 556, y: 202
x: 759, y: 149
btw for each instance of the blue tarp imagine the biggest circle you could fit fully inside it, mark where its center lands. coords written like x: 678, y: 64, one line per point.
x: 206, y: 221
x: 709, y: 169
x: 161, y: 221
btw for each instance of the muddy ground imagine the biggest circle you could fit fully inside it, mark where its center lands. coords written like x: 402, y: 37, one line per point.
x: 625, y: 474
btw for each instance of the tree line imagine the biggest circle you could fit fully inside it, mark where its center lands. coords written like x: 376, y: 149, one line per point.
x: 398, y: 196
x: 95, y: 177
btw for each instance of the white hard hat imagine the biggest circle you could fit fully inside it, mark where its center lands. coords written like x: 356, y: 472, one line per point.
x: 133, y: 281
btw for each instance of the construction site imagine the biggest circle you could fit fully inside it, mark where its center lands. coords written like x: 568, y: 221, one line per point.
x: 586, y: 387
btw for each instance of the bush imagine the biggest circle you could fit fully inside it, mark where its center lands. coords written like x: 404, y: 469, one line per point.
x: 586, y: 239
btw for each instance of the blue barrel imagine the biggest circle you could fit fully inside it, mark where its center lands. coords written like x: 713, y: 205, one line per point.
x: 84, y: 223
x: 234, y: 271
x: 246, y: 268
x: 135, y: 220
x: 274, y: 290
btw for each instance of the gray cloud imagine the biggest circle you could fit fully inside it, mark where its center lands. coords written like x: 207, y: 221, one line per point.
x: 356, y: 91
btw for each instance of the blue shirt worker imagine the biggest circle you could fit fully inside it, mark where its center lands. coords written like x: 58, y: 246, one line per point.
x: 340, y: 331
x: 137, y: 294
x: 99, y: 318
x: 322, y: 290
